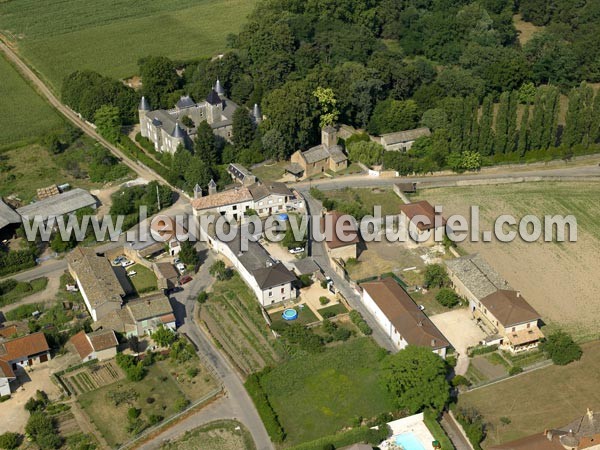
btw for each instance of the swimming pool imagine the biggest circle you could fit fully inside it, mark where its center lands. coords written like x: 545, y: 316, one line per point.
x: 408, y: 441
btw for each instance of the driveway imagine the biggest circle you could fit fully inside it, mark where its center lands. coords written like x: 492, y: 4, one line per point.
x: 13, y: 415
x: 462, y: 332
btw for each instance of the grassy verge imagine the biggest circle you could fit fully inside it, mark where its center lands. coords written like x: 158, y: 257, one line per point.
x: 221, y: 434
x: 21, y: 289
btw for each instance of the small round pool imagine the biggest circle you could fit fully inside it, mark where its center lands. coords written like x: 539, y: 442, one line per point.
x: 290, y: 314
x: 283, y: 217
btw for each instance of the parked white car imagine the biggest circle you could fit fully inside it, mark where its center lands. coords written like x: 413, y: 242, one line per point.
x: 297, y: 250
x: 180, y: 267
x: 131, y: 273
x: 127, y: 263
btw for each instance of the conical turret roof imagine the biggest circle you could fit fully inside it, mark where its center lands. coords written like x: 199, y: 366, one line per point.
x: 144, y: 104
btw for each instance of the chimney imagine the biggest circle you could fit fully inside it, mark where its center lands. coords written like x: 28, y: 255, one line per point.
x: 590, y: 415
x: 518, y: 294
x: 433, y: 342
x: 197, y: 191
x: 212, y: 187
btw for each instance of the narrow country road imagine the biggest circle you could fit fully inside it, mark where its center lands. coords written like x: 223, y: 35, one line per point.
x: 41, y: 87
x: 237, y: 403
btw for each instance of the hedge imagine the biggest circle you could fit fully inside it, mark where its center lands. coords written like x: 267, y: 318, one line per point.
x: 430, y: 419
x: 482, y: 350
x: 354, y: 436
x: 265, y: 410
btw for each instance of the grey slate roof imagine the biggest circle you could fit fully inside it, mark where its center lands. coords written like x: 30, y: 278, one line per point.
x: 58, y: 205
x: 320, y: 152
x: 8, y: 215
x: 267, y: 272
x: 261, y: 190
x: 238, y: 171
x: 404, y: 136
x: 306, y: 266
x: 178, y: 132
x: 228, y: 110
x: 185, y: 102
x: 219, y: 88
x: 477, y: 275
x: 148, y: 307
x: 213, y: 98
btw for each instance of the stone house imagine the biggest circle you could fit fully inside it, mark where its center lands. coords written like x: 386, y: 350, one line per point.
x: 342, y: 236
x: 423, y: 226
x: 100, y: 345
x: 18, y: 353
x: 403, y: 140
x: 326, y: 156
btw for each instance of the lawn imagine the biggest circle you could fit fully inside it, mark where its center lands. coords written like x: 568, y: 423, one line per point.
x: 144, y: 281
x: 270, y: 172
x: 221, y: 435
x: 21, y: 290
x: 24, y: 115
x: 156, y: 394
x: 543, y: 399
x: 319, y: 394
x: 305, y: 316
x: 559, y: 271
x: 335, y: 309
x: 370, y: 197
x: 109, y: 36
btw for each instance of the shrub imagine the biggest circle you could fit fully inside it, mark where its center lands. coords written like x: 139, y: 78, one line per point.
x: 514, y: 370
x: 4, y: 398
x: 361, y: 324
x: 181, y: 403
x: 192, y: 372
x: 561, y: 348
x: 459, y: 380
x: 324, y: 284
x: 306, y: 280
x: 10, y: 441
x: 347, y: 438
x: 323, y: 300
x: 328, y: 314
x: 154, y: 419
x: 472, y: 423
x: 436, y: 276
x: 447, y: 297
x: 328, y: 326
x: 133, y: 413
x: 202, y: 297
x: 505, y: 420
x: 341, y: 334
x: 482, y: 350
x: 150, y: 400
x: 264, y: 408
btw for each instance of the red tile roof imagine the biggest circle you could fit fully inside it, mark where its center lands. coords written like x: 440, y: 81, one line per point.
x: 23, y: 347
x: 82, y: 345
x: 8, y: 332
x: 6, y: 370
x: 422, y: 209
x: 348, y: 230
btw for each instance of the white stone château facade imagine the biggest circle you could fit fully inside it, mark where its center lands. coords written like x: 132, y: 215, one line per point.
x: 164, y: 128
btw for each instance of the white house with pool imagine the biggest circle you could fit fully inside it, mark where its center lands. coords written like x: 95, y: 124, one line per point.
x: 410, y: 433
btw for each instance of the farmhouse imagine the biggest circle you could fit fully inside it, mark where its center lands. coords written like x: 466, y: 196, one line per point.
x: 403, y: 140
x: 582, y: 433
x: 269, y: 198
x: 96, y: 280
x: 18, y: 353
x: 62, y: 204
x: 240, y: 174
x: 508, y: 314
x: 269, y: 279
x: 423, y: 224
x: 326, y: 156
x: 264, y: 198
x: 100, y: 345
x: 166, y: 275
x: 166, y: 130
x: 342, y: 240
x: 140, y: 317
x: 167, y: 229
x: 473, y: 278
x: 400, y: 318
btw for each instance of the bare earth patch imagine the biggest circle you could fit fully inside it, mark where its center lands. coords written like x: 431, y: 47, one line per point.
x: 559, y: 279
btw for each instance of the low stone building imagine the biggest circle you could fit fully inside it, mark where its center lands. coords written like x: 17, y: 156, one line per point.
x: 18, y: 353
x: 326, y: 156
x: 342, y: 236
x: 99, y: 285
x: 423, y: 225
x: 403, y: 140
x: 400, y: 318
x: 240, y: 174
x: 100, y: 345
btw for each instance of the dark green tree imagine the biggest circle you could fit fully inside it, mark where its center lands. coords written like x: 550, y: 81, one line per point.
x: 486, y: 132
x: 108, y: 122
x: 524, y: 137
x: 408, y: 371
x: 159, y: 78
x: 188, y: 253
x: 205, y: 146
x: 244, y: 130
x: 561, y: 348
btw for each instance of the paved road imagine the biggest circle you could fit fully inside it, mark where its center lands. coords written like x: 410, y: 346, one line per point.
x: 318, y: 252
x: 454, y: 432
x: 570, y: 170
x: 237, y: 404
x: 30, y: 75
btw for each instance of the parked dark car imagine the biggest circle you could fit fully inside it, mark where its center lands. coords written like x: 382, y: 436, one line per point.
x: 185, y: 279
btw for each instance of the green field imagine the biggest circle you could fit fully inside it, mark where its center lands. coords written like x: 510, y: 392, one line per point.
x: 317, y: 395
x: 24, y: 115
x: 109, y: 36
x: 543, y: 399
x: 368, y: 198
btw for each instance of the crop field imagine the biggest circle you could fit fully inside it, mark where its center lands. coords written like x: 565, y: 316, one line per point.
x: 525, y: 400
x: 233, y: 318
x: 92, y: 377
x: 221, y: 435
x: 109, y: 36
x: 558, y: 279
x: 24, y: 115
x: 368, y: 198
